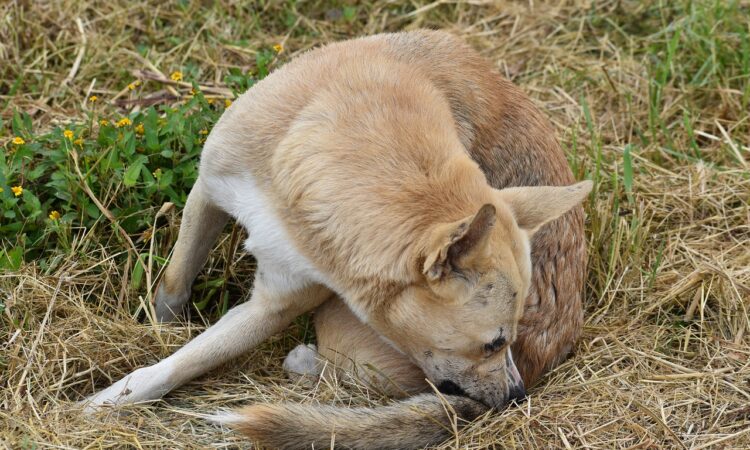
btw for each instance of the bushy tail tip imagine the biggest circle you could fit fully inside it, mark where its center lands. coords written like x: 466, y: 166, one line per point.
x: 414, y: 423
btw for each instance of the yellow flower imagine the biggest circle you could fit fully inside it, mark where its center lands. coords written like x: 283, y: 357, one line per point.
x: 193, y: 91
x: 17, y: 190
x: 79, y: 142
x: 123, y: 122
x: 134, y: 84
x: 93, y: 99
x: 68, y: 134
x: 227, y: 103
x: 203, y: 131
x: 104, y: 122
x: 18, y: 140
x: 176, y: 76
x: 139, y: 128
x: 278, y: 48
x: 210, y: 101
x: 54, y: 215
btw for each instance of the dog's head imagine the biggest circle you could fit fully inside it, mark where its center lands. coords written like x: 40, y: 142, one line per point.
x: 458, y: 321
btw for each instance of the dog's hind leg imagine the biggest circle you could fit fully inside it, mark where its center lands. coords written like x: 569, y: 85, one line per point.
x: 353, y: 349
x: 202, y: 221
x: 271, y: 308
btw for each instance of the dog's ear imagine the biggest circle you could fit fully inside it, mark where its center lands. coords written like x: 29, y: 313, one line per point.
x: 534, y: 206
x: 450, y: 243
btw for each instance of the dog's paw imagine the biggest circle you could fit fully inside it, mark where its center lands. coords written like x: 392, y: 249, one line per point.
x: 169, y: 306
x: 142, y: 385
x: 303, y: 360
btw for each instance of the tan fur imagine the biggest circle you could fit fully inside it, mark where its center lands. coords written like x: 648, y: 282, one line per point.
x: 514, y: 145
x: 503, y: 131
x: 416, y: 423
x: 352, y: 349
x: 376, y: 163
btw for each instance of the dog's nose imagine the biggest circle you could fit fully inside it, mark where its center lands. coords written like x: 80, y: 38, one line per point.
x: 448, y: 387
x: 517, y: 393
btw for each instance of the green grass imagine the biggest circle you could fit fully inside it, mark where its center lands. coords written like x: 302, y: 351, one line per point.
x: 650, y: 100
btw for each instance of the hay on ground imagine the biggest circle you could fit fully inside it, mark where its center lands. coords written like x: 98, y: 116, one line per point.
x: 664, y: 360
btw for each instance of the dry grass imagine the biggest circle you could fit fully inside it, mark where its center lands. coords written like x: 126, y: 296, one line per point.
x: 664, y: 360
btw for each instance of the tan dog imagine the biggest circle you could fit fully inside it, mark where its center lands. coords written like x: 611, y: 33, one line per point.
x: 357, y: 170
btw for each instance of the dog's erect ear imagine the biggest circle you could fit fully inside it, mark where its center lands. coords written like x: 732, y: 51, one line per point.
x: 450, y: 243
x: 536, y: 205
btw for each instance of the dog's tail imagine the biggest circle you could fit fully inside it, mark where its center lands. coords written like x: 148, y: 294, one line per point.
x: 414, y: 423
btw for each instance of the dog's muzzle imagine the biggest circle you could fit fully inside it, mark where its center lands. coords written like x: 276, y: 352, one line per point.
x: 490, y: 393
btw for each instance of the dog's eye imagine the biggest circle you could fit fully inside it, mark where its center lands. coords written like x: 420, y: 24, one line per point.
x: 497, y: 344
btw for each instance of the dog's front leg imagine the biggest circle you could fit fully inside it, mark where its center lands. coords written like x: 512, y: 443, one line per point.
x: 268, y: 311
x: 202, y: 221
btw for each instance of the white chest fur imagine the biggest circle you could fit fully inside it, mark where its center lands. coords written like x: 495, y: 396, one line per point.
x: 268, y: 239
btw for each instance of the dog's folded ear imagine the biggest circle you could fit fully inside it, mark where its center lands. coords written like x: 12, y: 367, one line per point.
x: 534, y: 206
x: 453, y: 242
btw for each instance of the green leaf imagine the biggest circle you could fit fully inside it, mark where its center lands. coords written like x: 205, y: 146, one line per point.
x: 107, y: 136
x: 36, y: 172
x: 137, y: 277
x: 31, y: 202
x: 262, y: 58
x: 150, y: 126
x: 202, y: 303
x: 166, y: 179
x: 350, y: 13
x: 11, y: 259
x: 132, y: 174
x: 18, y: 124
x: 92, y: 211
x: 128, y: 146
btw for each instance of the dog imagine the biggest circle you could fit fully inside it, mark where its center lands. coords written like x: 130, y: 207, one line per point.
x: 398, y: 181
